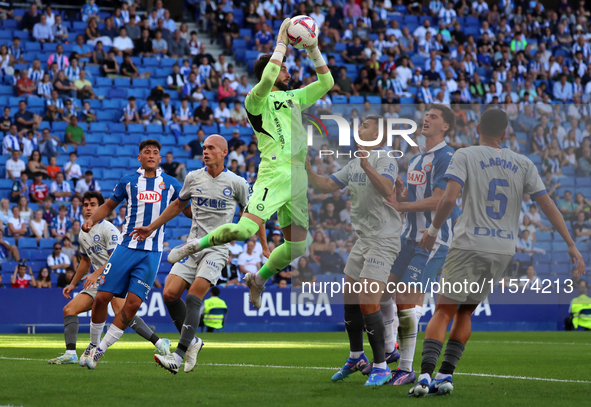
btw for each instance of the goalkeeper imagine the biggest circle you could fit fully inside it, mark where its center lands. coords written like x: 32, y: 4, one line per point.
x: 274, y: 113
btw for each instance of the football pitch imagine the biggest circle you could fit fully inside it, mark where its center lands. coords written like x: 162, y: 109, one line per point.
x: 291, y: 369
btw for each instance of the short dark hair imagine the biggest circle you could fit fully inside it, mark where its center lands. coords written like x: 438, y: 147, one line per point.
x: 70, y: 268
x: 93, y: 194
x: 446, y: 113
x: 384, y: 126
x: 493, y: 123
x: 88, y: 172
x: 215, y: 291
x: 150, y: 142
x: 130, y: 98
x: 261, y: 64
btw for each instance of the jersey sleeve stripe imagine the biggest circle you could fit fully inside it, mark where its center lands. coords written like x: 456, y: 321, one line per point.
x: 538, y: 194
x: 183, y: 199
x: 388, y: 176
x: 336, y: 180
x: 454, y: 178
x: 83, y: 254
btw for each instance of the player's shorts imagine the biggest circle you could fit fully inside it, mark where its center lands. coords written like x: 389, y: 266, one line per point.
x: 92, y: 292
x: 372, y: 258
x: 207, y: 264
x: 470, y: 266
x: 414, y: 265
x: 130, y: 271
x: 282, y: 190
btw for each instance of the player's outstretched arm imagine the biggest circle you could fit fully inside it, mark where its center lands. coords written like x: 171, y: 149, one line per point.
x: 444, y: 208
x: 320, y: 182
x: 257, y: 97
x: 172, y: 211
x: 81, y: 271
x: 423, y: 205
x: 101, y: 213
x: 557, y: 221
x: 262, y: 234
x: 384, y: 185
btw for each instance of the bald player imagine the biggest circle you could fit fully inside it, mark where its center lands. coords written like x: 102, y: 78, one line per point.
x: 214, y: 192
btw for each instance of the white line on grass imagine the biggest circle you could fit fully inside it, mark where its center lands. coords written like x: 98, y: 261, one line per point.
x: 541, y: 379
x: 534, y: 343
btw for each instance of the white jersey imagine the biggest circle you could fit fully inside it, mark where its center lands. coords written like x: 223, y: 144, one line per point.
x: 99, y: 243
x: 213, y: 200
x: 494, y: 182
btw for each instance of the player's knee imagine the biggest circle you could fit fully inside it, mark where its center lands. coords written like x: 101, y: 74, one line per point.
x: 68, y: 310
x: 102, y: 300
x: 170, y: 295
x: 367, y: 309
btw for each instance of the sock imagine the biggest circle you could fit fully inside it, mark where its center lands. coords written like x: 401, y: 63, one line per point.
x: 419, y: 313
x: 374, y: 326
x: 431, y: 352
x: 112, y: 336
x: 388, y: 314
x: 281, y: 257
x: 178, y: 312
x: 395, y: 324
x: 71, y: 352
x: 71, y: 331
x: 451, y: 357
x: 408, y: 338
x: 354, y: 326
x: 440, y: 376
x: 190, y: 325
x: 95, y: 333
x: 381, y: 365
x: 138, y: 325
x: 158, y: 342
x: 244, y: 229
x: 355, y: 355
x: 424, y: 376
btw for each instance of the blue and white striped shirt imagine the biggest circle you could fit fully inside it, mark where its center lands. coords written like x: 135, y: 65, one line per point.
x: 37, y: 75
x: 425, y: 173
x: 15, y: 52
x: 72, y: 73
x: 128, y: 110
x: 44, y: 89
x: 146, y: 198
x: 57, y: 103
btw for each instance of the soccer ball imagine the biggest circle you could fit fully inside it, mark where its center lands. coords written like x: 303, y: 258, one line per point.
x: 303, y: 32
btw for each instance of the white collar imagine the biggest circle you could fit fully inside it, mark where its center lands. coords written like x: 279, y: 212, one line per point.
x: 437, y: 147
x: 142, y: 171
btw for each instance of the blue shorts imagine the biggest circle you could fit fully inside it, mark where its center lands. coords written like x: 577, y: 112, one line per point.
x: 414, y: 265
x: 130, y: 271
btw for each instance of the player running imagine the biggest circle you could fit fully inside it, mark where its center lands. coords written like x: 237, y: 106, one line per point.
x: 96, y: 247
x: 493, y: 181
x: 132, y: 268
x: 370, y: 180
x: 419, y: 201
x: 275, y: 115
x: 214, y: 192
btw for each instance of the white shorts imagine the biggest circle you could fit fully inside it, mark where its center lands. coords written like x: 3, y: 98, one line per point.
x: 470, y: 266
x: 207, y: 264
x: 372, y: 258
x: 91, y: 292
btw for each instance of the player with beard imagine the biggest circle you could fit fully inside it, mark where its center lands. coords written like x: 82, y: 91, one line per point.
x: 275, y: 115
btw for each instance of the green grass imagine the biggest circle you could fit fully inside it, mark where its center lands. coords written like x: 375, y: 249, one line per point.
x: 290, y: 369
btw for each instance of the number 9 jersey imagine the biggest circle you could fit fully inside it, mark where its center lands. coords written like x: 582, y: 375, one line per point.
x: 494, y: 181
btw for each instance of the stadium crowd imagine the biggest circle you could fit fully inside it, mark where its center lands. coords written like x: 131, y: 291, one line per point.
x: 68, y: 105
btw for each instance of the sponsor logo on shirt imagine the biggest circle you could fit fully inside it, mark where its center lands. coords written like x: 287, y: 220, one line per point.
x: 149, y: 196
x: 96, y: 238
x: 227, y: 191
x: 415, y: 177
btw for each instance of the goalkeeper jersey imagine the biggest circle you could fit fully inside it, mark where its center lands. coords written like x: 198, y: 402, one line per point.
x: 276, y: 118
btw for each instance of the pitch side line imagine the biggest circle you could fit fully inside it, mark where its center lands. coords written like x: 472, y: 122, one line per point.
x: 541, y: 379
x: 534, y: 343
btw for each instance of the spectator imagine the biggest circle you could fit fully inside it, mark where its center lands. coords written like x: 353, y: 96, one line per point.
x: 203, y: 114
x: 44, y: 87
x: 583, y: 205
x: 225, y: 92
x: 60, y: 224
x: 15, y: 166
x: 238, y: 155
x: 191, y: 88
x: 203, y: 54
x: 173, y: 168
x: 60, y: 31
x: 84, y: 87
x: 222, y: 114
x: 65, y: 278
x: 54, y: 107
x: 150, y: 113
x: 143, y: 45
x: 243, y: 89
x: 31, y: 17
x: 24, y: 85
x: 330, y: 261
x: 16, y: 227
x: 74, y: 233
x: 175, y: 81
x: 64, y: 87
x: 177, y: 46
x: 319, y: 245
x: 48, y: 211
x: 87, y: 184
x: 134, y: 31
x: 129, y: 69
x: 69, y: 250
x: 122, y: 44
x: 249, y: 260
x: 87, y: 114
x: 130, y: 113
x: 42, y: 31
x: 60, y: 189
x: 119, y: 220
x: 20, y: 189
x: 38, y: 190
x: 75, y: 211
x: 230, y: 31
x: 59, y: 58
x: 159, y: 45
x: 530, y: 280
x: 563, y: 90
x: 72, y: 169
x: 38, y: 226
x: 238, y: 115
x: 303, y: 273
x: 567, y: 207
x: 23, y: 277
x: 90, y: 9
x: 48, y: 147
x: 584, y: 167
x: 581, y: 229
x: 44, y: 278
x: 195, y: 147
x: 75, y: 133
x: 5, y: 212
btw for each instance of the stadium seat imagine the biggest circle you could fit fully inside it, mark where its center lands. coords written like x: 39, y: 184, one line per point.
x: 27, y: 243
x: 47, y: 243
x: 135, y: 128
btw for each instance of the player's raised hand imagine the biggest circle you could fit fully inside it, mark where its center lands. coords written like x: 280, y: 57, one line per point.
x: 576, y: 257
x: 141, y: 233
x: 282, y: 35
x: 67, y: 290
x: 427, y: 241
x: 399, y: 184
x: 364, y: 158
x: 87, y: 225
